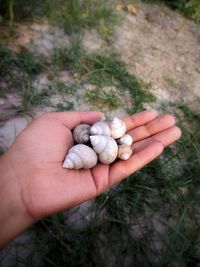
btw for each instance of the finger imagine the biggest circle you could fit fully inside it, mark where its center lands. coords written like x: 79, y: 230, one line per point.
x: 71, y: 119
x: 140, y: 118
x: 100, y: 177
x: 166, y: 137
x: 155, y: 126
x: 122, y: 169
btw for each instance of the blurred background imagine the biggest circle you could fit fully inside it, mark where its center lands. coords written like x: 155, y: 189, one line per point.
x: 118, y: 57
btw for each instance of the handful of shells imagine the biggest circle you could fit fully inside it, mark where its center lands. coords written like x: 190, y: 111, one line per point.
x: 101, y: 141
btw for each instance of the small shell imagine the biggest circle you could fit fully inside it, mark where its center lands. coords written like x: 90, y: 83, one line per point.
x: 118, y: 128
x: 81, y: 133
x: 124, y: 152
x: 106, y: 147
x: 100, y: 128
x: 80, y: 156
x: 126, y: 139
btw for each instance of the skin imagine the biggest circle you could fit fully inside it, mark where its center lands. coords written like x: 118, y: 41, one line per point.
x: 33, y: 183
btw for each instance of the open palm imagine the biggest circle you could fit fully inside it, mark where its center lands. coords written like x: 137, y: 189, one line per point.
x: 38, y: 153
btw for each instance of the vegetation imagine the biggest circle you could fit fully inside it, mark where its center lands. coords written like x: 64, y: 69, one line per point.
x: 190, y: 8
x: 24, y: 61
x: 19, y: 71
x: 105, y: 98
x: 15, y: 69
x: 100, y: 70
x: 170, y: 81
x: 72, y: 15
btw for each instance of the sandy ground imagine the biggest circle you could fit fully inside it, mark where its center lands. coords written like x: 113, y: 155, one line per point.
x: 163, y: 48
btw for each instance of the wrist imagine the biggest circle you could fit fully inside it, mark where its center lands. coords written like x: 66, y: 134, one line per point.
x: 14, y: 218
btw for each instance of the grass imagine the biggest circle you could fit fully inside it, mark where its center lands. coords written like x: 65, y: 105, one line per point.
x: 170, y: 81
x: 190, y: 8
x: 17, y: 68
x: 70, y: 15
x: 32, y: 97
x: 102, y: 99
x: 18, y: 72
x: 100, y: 71
x: 25, y: 61
x: 74, y: 15
x: 65, y: 107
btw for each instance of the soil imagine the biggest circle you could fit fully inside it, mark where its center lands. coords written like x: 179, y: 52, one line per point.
x: 162, y: 47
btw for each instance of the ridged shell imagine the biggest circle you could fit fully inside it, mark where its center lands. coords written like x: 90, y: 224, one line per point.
x: 118, y: 128
x: 80, y: 156
x: 126, y: 139
x: 81, y: 133
x: 106, y: 147
x: 124, y: 152
x: 100, y: 128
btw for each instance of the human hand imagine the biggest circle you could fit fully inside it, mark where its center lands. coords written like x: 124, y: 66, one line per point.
x: 43, y: 187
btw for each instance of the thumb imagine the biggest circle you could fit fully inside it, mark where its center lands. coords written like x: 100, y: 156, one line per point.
x: 72, y: 119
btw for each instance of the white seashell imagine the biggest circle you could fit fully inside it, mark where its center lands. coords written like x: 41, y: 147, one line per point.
x: 80, y: 156
x: 81, y: 133
x: 100, y: 128
x: 126, y: 139
x: 106, y: 147
x: 118, y: 128
x: 124, y: 152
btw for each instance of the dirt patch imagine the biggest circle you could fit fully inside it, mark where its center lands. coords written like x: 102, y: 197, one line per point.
x: 161, y: 47
x: 91, y: 41
x: 38, y: 38
x: 9, y: 104
x: 11, y: 129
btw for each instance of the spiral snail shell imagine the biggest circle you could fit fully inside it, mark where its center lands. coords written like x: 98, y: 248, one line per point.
x: 81, y: 133
x: 126, y: 139
x: 80, y: 156
x: 105, y: 147
x: 118, y: 128
x: 101, y: 136
x: 124, y: 152
x: 100, y: 128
